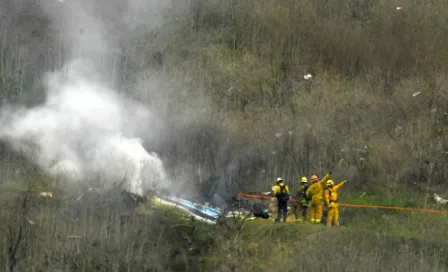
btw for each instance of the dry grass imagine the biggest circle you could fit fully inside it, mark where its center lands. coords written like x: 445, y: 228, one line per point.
x: 148, y: 239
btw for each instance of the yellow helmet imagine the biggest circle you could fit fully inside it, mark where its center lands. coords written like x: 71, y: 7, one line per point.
x: 330, y: 182
x: 304, y: 180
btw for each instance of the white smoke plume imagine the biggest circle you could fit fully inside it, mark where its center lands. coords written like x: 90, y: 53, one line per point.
x: 85, y: 131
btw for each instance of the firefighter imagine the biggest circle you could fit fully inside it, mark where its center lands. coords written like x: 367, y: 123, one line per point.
x: 315, y: 193
x: 331, y: 201
x: 281, y: 192
x: 302, y: 201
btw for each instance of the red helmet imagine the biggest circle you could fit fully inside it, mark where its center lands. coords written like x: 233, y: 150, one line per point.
x: 314, y: 178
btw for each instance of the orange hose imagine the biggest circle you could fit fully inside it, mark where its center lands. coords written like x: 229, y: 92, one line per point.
x: 359, y: 205
x: 393, y: 208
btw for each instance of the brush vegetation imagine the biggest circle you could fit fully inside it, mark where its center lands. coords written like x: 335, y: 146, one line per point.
x: 374, y: 112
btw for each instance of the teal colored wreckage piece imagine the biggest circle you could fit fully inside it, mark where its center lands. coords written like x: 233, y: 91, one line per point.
x: 198, y: 211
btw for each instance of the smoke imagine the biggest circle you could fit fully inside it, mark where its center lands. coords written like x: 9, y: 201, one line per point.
x: 86, y: 131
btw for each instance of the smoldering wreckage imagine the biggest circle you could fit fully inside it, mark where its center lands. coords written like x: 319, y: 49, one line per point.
x: 123, y: 201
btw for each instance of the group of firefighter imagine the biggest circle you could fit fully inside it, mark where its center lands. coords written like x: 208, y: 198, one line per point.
x: 310, y: 200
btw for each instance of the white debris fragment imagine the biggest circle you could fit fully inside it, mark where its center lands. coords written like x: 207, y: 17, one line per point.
x: 440, y: 200
x: 308, y: 76
x: 31, y: 222
x: 46, y: 194
x: 278, y: 135
x: 415, y: 94
x: 290, y: 132
x: 398, y: 8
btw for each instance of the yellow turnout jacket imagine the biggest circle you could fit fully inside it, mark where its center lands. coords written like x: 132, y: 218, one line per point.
x: 277, y: 189
x: 316, y: 190
x: 333, y: 197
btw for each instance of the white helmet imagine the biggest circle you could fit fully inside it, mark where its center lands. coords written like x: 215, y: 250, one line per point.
x: 279, y: 179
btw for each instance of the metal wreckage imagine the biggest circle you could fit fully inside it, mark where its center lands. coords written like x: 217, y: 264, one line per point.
x: 121, y: 201
x: 236, y: 207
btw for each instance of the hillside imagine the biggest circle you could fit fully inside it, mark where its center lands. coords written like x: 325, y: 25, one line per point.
x: 225, y: 76
x: 67, y: 235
